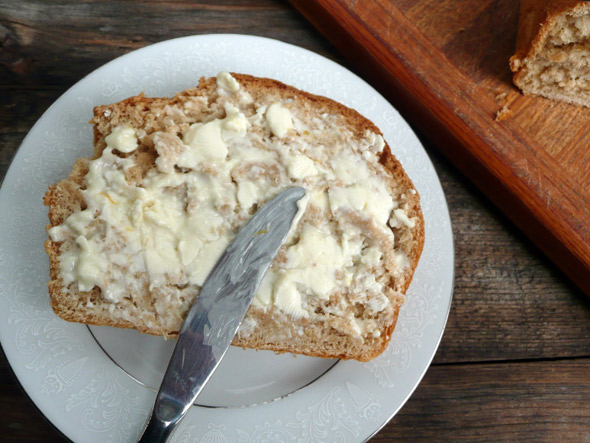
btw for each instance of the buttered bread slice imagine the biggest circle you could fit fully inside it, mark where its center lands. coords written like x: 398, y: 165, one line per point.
x: 136, y: 229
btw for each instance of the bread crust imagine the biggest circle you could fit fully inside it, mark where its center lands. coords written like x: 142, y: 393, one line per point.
x: 536, y: 19
x: 65, y: 198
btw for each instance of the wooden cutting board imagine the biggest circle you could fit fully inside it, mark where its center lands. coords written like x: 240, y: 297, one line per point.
x: 444, y: 65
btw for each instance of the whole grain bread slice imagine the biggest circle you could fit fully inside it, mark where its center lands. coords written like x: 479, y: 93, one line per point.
x: 322, y: 334
x: 552, y: 50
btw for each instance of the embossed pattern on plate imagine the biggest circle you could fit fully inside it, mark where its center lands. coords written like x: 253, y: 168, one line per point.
x: 60, y: 365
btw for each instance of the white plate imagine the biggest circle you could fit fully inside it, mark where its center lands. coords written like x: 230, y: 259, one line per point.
x: 96, y: 394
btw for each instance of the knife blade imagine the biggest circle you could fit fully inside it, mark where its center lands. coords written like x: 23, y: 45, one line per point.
x: 218, y: 310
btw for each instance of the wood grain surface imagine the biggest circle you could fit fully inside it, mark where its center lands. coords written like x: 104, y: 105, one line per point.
x: 514, y: 363
x: 445, y: 63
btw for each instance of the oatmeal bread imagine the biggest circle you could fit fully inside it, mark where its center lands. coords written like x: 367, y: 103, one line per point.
x: 135, y: 230
x: 553, y: 50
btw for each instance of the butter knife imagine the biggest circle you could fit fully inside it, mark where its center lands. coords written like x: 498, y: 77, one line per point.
x: 218, y: 310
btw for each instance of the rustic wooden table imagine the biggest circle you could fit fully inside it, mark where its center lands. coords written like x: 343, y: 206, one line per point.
x: 514, y: 362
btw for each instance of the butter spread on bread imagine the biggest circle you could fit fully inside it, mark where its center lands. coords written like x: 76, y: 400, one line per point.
x: 135, y: 230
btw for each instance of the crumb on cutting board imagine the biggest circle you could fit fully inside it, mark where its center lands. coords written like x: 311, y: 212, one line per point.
x: 501, y: 96
x: 504, y: 113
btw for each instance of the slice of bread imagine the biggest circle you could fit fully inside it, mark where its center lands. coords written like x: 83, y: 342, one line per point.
x: 134, y: 230
x: 553, y: 49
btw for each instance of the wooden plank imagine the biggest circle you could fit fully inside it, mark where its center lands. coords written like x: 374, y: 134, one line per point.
x: 453, y: 103
x: 509, y: 302
x: 34, y: 34
x: 533, y: 401
x: 529, y: 401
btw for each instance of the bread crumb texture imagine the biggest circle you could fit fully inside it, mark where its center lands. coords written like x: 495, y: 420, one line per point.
x: 135, y: 230
x: 552, y: 57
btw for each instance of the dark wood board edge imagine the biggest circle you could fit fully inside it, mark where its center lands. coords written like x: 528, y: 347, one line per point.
x: 468, y: 147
